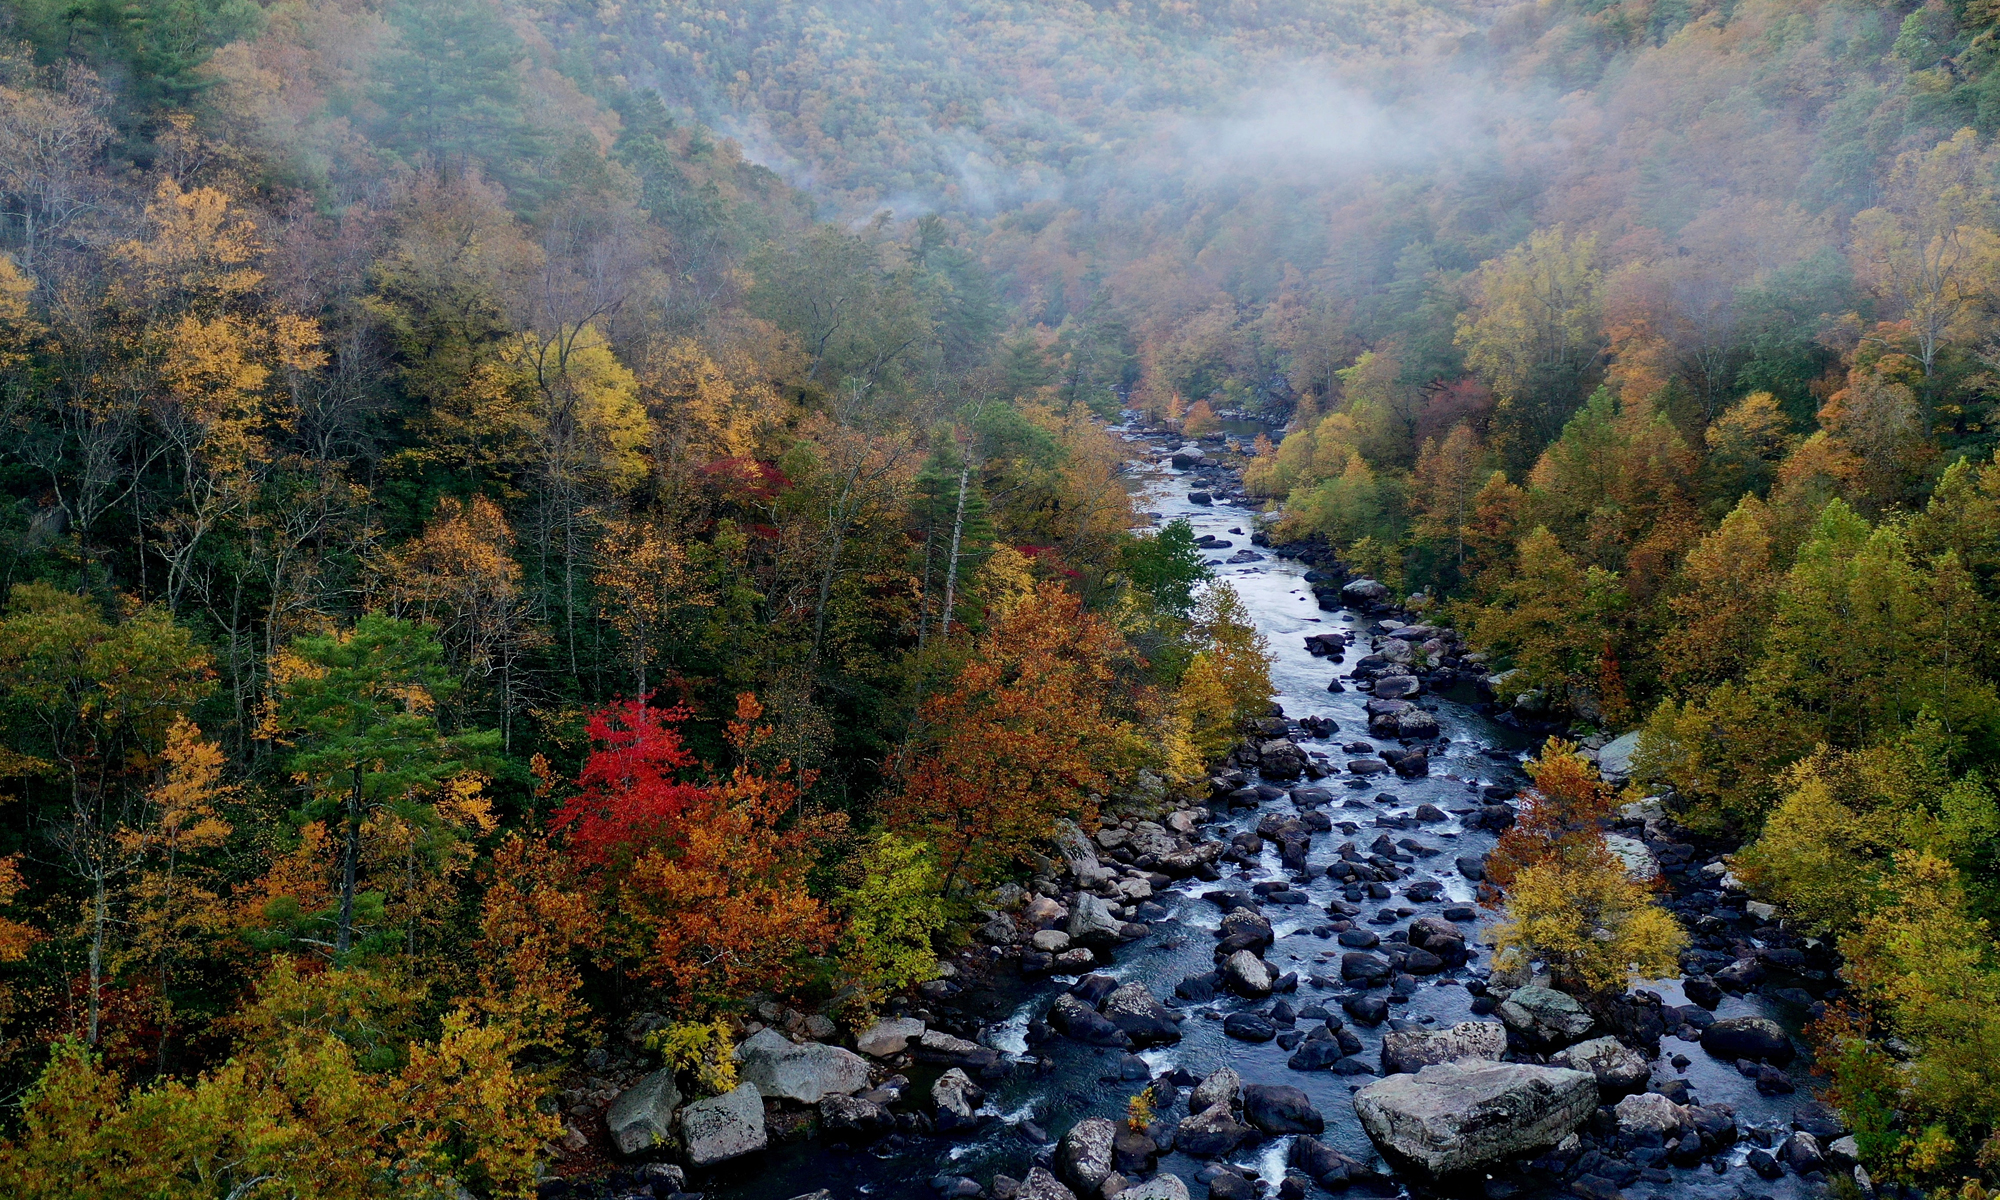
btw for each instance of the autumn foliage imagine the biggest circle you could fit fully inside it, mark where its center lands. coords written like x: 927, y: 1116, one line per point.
x: 1038, y: 721
x: 702, y: 886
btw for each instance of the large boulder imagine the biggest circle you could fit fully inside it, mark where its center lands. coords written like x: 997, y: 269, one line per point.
x: 853, y: 1119
x: 1638, y: 861
x: 1363, y: 592
x: 1211, y: 1133
x: 1407, y: 1051
x: 889, y: 1036
x: 1083, y: 1157
x: 1544, y: 1017
x: 1077, y: 852
x: 1457, y: 1117
x: 801, y: 1072
x: 955, y: 1100
x: 1247, y: 975
x: 1040, y: 1185
x: 1649, y: 1113
x: 1092, y: 923
x: 643, y: 1114
x: 1439, y: 937
x: 724, y: 1127
x: 1326, y: 1166
x: 1617, y: 1069
x: 1614, y: 761
x: 1142, y: 1018
x: 1748, y: 1037
x: 1164, y: 1186
x: 1223, y: 1087
x: 1077, y: 1021
x: 1281, y: 759
x: 1276, y: 1109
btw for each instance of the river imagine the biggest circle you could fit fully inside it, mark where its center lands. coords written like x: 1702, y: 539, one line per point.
x: 1059, y: 1083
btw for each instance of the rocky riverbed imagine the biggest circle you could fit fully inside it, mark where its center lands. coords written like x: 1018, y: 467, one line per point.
x: 1294, y: 970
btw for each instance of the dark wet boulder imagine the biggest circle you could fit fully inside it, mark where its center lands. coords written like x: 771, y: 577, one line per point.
x: 1321, y: 1163
x: 1758, y: 1038
x: 1277, y: 1109
x: 1211, y: 1133
x: 1142, y: 1018
x: 1077, y: 1021
x: 1249, y: 1027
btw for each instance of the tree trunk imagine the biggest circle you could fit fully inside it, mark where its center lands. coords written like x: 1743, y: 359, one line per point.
x: 350, y: 861
x: 99, y: 903
x: 957, y: 534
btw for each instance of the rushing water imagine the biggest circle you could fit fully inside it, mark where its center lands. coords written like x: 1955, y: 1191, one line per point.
x: 1063, y: 1082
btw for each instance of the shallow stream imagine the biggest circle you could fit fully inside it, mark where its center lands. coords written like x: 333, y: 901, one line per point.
x: 1062, y: 1082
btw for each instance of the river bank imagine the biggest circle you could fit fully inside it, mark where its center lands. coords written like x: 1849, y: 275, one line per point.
x: 1355, y: 886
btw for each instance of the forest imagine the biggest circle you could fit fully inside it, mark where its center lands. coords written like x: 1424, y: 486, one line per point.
x: 519, y: 518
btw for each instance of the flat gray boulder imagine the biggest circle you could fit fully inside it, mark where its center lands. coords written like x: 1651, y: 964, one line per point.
x: 1224, y: 1087
x: 1456, y: 1117
x: 1040, y: 1185
x: 1211, y: 1133
x: 1164, y: 1186
x: 1247, y: 975
x: 802, y: 1072
x: 1092, y: 923
x: 1409, y: 1051
x: 1618, y: 1070
x: 956, y: 1099
x: 1544, y: 1017
x: 724, y: 1127
x: 892, y: 1035
x: 1083, y: 1157
x: 643, y: 1114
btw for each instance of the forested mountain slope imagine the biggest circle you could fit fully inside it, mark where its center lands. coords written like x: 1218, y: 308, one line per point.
x: 524, y: 518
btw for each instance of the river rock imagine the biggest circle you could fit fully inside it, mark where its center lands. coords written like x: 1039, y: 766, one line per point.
x: 1361, y: 593
x: 1614, y: 761
x: 1142, y: 1018
x: 1092, y: 923
x: 1276, y: 1109
x: 1649, y: 1112
x: 1072, y: 1017
x: 1164, y: 1186
x: 1281, y: 759
x: 1407, y: 1051
x: 724, y: 1127
x: 1326, y: 1166
x: 1455, y: 1117
x: 1249, y: 1027
x: 800, y: 1072
x: 1440, y: 937
x: 1639, y: 861
x: 956, y: 1100
x: 1618, y: 1070
x: 1224, y: 1086
x: 643, y: 1114
x: 1210, y: 1133
x: 1040, y: 1185
x: 853, y: 1118
x: 1247, y: 975
x: 1733, y: 1038
x: 1544, y: 1017
x: 1083, y: 1157
x: 1246, y: 928
x: 889, y: 1036
x: 1077, y: 852
x: 1801, y: 1153
x: 1397, y: 687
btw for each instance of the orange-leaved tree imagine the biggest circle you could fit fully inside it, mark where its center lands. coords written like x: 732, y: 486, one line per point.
x: 701, y: 885
x: 1041, y: 718
x: 1565, y: 810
